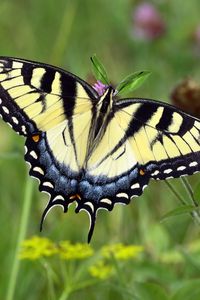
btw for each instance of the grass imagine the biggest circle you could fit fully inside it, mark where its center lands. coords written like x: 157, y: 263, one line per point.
x: 67, y: 34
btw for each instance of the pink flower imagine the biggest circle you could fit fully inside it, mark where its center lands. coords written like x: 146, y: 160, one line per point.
x: 147, y: 22
x: 100, y: 87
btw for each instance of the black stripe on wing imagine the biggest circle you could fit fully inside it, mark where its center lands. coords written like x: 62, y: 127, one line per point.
x: 27, y: 73
x: 14, y: 116
x: 143, y: 113
x: 41, y: 86
x: 181, y: 163
x: 47, y: 80
x: 29, y: 65
x: 165, y: 120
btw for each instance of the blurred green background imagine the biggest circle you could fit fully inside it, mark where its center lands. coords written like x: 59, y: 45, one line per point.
x: 163, y: 39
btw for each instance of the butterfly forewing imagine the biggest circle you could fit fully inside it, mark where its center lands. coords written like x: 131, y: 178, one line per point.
x: 44, y: 95
x: 168, y: 139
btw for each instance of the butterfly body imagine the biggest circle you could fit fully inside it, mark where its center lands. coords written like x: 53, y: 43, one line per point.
x: 95, y: 150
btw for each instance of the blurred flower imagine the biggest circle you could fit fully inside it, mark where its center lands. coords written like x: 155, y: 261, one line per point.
x: 90, y: 79
x: 37, y: 247
x: 101, y: 270
x: 100, y: 87
x: 171, y: 257
x: 121, y: 252
x: 197, y: 34
x: 147, y: 22
x: 196, y: 40
x: 69, y: 251
x: 186, y: 96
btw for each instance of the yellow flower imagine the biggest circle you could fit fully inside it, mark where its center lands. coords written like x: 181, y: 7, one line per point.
x: 37, y: 247
x: 121, y: 252
x: 77, y: 251
x: 101, y: 270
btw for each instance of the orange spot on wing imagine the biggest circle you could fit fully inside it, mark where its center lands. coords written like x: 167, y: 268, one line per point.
x: 75, y: 197
x: 36, y: 138
x: 142, y: 172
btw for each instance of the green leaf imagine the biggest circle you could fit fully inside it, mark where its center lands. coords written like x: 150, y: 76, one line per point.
x: 179, y: 211
x: 159, y: 237
x: 197, y: 193
x: 132, y: 82
x: 150, y: 291
x: 191, y: 258
x: 190, y: 290
x: 9, y: 155
x: 99, y: 70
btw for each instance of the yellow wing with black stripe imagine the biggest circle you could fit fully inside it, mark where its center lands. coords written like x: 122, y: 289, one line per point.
x: 149, y: 133
x: 143, y: 139
x: 94, y: 150
x: 53, y: 109
x: 38, y: 99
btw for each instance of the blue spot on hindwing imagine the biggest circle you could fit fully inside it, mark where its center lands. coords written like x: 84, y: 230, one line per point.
x: 133, y: 174
x: 42, y: 146
x: 53, y: 173
x: 84, y: 186
x: 74, y: 184
x: 122, y: 183
x: 45, y: 159
x: 109, y: 189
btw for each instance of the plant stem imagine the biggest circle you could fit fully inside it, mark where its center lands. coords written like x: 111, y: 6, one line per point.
x: 178, y: 196
x: 22, y: 232
x: 49, y: 275
x: 194, y: 214
x: 189, y: 190
x: 65, y: 294
x: 77, y: 286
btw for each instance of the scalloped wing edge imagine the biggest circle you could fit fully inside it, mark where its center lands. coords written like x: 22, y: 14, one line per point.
x: 58, y: 199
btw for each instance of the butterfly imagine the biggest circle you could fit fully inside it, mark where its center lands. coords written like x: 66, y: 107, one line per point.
x: 90, y: 149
